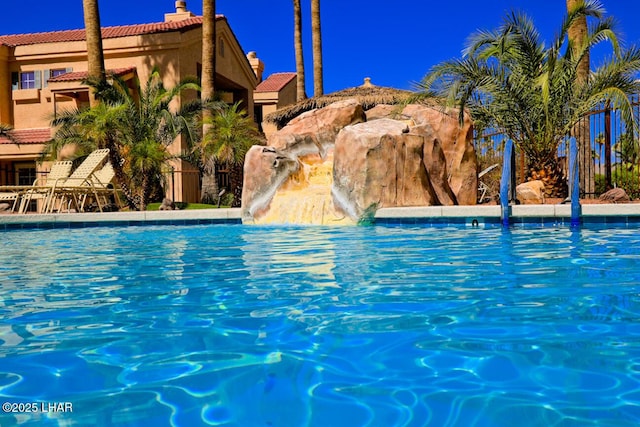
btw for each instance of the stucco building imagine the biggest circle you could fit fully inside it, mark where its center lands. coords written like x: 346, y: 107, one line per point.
x: 41, y: 74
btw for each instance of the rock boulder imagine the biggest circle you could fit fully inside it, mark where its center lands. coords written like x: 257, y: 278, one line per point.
x: 530, y: 192
x: 388, y: 157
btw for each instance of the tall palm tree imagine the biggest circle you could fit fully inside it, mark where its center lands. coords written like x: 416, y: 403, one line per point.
x: 316, y: 37
x: 209, y: 189
x: 95, y: 55
x: 577, y: 33
x: 230, y: 136
x: 136, y: 129
x: 208, y: 48
x: 508, y: 80
x: 297, y: 44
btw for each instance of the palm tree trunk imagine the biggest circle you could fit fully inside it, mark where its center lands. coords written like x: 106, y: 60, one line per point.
x: 235, y: 179
x: 297, y: 43
x: 316, y: 36
x: 95, y: 55
x: 121, y: 178
x: 145, y: 191
x: 209, y: 188
x: 577, y: 36
x: 208, y: 49
x: 551, y: 173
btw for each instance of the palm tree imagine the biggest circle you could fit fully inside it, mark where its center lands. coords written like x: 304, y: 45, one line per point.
x: 627, y: 149
x: 508, y: 80
x: 577, y: 36
x: 316, y: 37
x: 208, y: 48
x: 136, y: 129
x: 209, y: 188
x: 230, y: 136
x: 297, y: 44
x: 95, y: 55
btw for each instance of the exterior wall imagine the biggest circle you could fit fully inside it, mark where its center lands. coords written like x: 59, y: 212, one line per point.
x: 5, y: 82
x: 272, y: 101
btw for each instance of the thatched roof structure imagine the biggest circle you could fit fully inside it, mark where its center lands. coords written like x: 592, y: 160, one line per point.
x: 368, y: 95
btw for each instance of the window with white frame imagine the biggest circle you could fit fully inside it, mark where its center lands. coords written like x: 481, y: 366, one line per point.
x: 28, y: 80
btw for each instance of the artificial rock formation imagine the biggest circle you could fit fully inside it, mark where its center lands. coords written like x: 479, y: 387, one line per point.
x: 386, y: 157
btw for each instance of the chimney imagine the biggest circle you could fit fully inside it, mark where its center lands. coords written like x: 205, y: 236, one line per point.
x: 180, y: 14
x: 256, y: 64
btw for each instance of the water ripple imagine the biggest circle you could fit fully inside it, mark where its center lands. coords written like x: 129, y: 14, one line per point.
x: 315, y: 326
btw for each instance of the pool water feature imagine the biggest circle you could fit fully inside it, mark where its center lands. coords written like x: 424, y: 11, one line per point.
x: 305, y: 197
x: 231, y: 325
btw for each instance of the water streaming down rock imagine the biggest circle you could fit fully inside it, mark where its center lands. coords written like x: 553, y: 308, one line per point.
x: 305, y: 197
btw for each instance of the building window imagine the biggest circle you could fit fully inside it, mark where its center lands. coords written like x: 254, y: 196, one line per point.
x: 57, y: 72
x: 54, y: 72
x: 28, y: 80
x: 25, y: 173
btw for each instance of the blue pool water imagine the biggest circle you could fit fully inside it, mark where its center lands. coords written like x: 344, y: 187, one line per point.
x: 228, y: 325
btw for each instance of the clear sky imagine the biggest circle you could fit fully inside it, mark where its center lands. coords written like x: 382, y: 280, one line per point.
x: 394, y: 42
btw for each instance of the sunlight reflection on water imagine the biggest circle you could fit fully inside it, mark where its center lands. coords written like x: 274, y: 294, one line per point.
x: 316, y: 326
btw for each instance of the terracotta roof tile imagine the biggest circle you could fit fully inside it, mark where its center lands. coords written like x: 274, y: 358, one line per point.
x: 29, y: 136
x: 275, y: 82
x: 77, y: 76
x: 107, y: 32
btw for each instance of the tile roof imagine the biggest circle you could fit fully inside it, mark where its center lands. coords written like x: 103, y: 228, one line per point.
x: 275, y: 82
x: 107, y: 32
x: 77, y: 76
x: 29, y: 136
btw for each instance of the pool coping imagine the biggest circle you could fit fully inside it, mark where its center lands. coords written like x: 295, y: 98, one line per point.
x: 471, y: 215
x: 559, y: 214
x: 90, y: 219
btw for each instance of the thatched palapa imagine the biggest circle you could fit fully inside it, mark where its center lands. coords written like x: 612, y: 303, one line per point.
x: 368, y: 95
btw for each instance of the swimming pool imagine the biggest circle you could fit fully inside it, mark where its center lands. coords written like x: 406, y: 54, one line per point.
x: 231, y: 325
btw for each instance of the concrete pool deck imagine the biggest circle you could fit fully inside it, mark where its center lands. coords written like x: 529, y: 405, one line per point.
x: 547, y: 214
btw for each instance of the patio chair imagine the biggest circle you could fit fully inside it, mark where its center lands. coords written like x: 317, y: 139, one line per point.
x: 102, y: 189
x: 80, y: 182
x: 10, y: 196
x: 38, y: 190
x: 483, y: 188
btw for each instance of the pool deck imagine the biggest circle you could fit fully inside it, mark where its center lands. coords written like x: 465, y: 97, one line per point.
x: 548, y: 214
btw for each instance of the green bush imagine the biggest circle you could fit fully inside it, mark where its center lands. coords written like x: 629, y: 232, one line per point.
x: 227, y: 199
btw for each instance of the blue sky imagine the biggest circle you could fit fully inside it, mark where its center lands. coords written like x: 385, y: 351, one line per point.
x: 393, y: 42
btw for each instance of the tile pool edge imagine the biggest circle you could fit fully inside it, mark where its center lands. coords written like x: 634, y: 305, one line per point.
x: 559, y: 214
x: 470, y: 215
x: 79, y: 220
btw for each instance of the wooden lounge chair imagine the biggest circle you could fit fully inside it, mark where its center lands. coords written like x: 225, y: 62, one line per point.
x: 70, y: 190
x: 38, y: 190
